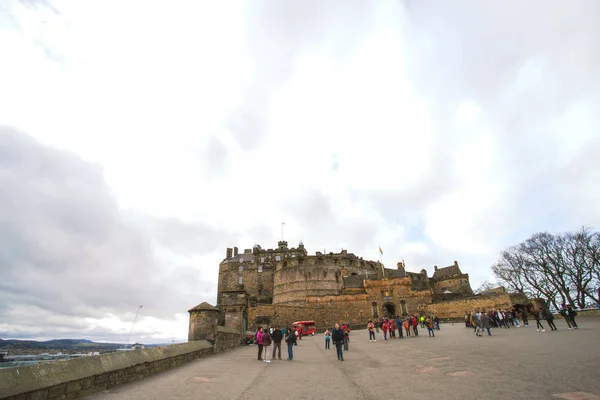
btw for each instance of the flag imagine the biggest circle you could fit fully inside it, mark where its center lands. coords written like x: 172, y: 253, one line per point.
x: 380, y: 251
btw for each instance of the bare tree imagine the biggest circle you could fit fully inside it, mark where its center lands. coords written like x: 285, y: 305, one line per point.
x: 485, y: 286
x: 560, y: 268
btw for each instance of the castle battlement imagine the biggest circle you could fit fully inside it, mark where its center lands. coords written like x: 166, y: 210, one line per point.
x: 286, y: 276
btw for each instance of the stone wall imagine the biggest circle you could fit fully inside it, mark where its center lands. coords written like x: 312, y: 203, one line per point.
x: 226, y: 338
x: 70, y: 379
x: 85, y: 376
x: 357, y: 309
x: 455, y: 309
x: 456, y: 284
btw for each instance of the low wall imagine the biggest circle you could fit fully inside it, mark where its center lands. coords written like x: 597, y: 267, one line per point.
x: 85, y: 376
x: 456, y: 309
x: 226, y: 339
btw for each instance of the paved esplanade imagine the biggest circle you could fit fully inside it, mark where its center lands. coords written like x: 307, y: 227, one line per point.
x: 512, y: 364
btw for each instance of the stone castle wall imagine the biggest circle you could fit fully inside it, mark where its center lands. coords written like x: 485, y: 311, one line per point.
x: 357, y: 309
x: 454, y: 309
x: 259, y: 285
x: 455, y: 284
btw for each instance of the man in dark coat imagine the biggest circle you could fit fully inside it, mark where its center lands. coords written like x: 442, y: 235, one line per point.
x: 277, y: 337
x: 338, y: 339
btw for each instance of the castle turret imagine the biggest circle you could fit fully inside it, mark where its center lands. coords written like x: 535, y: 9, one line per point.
x: 282, y: 245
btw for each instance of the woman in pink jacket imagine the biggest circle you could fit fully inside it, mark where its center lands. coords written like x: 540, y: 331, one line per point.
x: 259, y: 337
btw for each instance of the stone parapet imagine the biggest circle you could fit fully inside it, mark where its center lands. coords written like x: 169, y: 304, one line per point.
x: 70, y: 379
x: 85, y: 376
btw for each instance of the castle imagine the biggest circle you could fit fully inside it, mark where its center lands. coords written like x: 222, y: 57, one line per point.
x: 282, y: 285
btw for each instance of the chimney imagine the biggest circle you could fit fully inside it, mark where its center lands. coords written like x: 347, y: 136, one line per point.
x: 435, y: 268
x: 235, y: 251
x: 229, y: 250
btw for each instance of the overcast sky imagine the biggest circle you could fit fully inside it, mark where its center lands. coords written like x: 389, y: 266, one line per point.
x: 139, y: 139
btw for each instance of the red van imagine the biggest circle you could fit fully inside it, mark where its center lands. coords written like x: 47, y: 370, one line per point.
x: 306, y: 327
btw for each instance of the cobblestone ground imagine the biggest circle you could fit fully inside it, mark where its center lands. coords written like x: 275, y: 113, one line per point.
x: 511, y: 364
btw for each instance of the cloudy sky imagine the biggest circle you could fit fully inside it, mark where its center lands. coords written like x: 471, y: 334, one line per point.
x: 139, y: 139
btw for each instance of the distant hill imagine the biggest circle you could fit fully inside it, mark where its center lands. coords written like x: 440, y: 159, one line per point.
x: 65, y: 344
x: 57, y: 344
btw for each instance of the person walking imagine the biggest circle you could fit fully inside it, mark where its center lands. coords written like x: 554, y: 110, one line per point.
x: 327, y: 339
x: 572, y: 314
x: 371, y: 328
x: 266, y: 339
x: 429, y: 324
x: 550, y: 319
x: 277, y: 338
x: 565, y: 313
x: 290, y: 340
x: 538, y: 316
x: 338, y: 340
x: 346, y: 331
x: 259, y: 342
x: 486, y: 322
x: 477, y: 321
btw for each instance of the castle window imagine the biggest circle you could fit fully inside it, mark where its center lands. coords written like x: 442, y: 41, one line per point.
x: 240, y: 280
x: 277, y: 258
x: 260, y: 268
x: 262, y: 259
x: 241, y: 268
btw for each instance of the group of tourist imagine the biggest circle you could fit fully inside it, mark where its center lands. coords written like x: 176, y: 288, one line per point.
x: 482, y: 321
x: 269, y: 340
x: 274, y: 336
x: 408, y: 325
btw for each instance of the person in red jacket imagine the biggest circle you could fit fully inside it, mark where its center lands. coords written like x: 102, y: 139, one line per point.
x: 414, y: 324
x: 385, y: 328
x: 346, y: 336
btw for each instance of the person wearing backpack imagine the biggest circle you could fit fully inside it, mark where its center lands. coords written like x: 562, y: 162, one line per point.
x: 565, y: 315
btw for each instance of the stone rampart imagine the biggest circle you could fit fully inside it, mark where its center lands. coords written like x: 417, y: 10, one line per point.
x: 455, y: 309
x: 70, y: 379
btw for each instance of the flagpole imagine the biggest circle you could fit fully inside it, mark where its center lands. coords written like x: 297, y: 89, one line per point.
x: 283, y: 223
x: 381, y: 261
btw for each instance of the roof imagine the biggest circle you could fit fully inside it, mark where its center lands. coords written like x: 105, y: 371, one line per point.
x: 443, y: 273
x: 203, y: 307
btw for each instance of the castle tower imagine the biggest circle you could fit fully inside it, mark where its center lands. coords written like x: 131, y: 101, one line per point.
x: 204, y: 319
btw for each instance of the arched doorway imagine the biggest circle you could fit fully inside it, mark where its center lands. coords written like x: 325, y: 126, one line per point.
x: 389, y: 310
x: 403, y: 305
